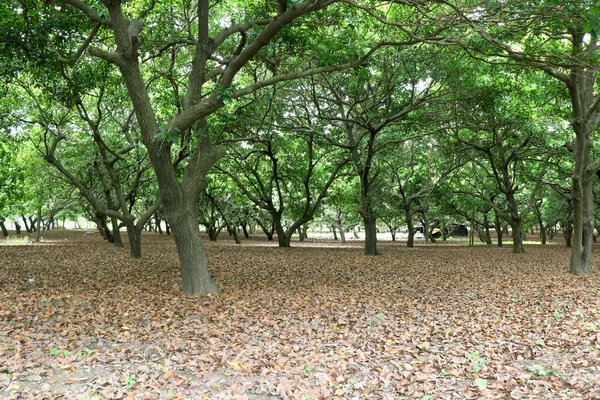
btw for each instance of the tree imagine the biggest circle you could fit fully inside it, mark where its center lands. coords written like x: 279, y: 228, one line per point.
x: 366, y: 108
x: 216, y: 59
x: 283, y: 170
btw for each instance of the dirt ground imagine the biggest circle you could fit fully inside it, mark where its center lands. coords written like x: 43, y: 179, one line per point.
x: 79, y: 319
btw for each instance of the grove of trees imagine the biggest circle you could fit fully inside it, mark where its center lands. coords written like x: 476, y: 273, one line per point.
x: 281, y: 115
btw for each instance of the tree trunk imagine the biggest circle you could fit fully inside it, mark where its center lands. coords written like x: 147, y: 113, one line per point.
x: 499, y: 230
x: 342, y: 232
x: 135, y: 238
x: 3, y: 227
x: 425, y: 229
x: 234, y: 233
x: 583, y: 207
x: 370, y: 221
x: 517, y: 237
x: 117, y: 242
x: 334, y: 232
x: 305, y: 231
x: 300, y: 234
x: 183, y: 218
x: 38, y: 223
x: 27, y: 227
x: 410, y: 242
x: 281, y: 236
x: 245, y: 230
x: 17, y: 228
x: 543, y: 234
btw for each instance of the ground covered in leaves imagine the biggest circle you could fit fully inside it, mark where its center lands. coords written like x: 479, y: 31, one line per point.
x: 81, y: 320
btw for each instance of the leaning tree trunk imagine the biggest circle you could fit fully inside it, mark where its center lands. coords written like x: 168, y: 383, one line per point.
x: 27, y: 227
x: 245, y: 230
x: 233, y: 230
x: 3, y: 227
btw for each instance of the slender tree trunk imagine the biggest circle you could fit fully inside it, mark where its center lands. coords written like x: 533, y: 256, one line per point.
x: 17, y: 228
x: 335, y: 237
x: 245, y: 230
x: 38, y: 227
x: 410, y: 242
x: 370, y: 221
x: 27, y: 227
x: 3, y: 227
x: 499, y: 230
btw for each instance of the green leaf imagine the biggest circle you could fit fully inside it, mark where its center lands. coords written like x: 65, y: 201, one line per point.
x: 481, y: 383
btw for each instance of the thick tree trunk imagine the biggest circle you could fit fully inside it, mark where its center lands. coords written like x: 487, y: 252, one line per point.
x: 543, y: 236
x: 281, y: 236
x: 183, y: 219
x: 517, y: 236
x: 134, y: 234
x: 370, y: 221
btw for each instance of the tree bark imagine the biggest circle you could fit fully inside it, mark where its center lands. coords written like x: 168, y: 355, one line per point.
x: 410, y: 242
x: 27, y: 227
x: 517, y: 236
x: 3, y: 227
x: 38, y: 236
x: 370, y: 221
x: 116, y: 233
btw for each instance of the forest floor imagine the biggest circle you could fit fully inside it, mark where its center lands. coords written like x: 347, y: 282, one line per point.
x: 79, y: 319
